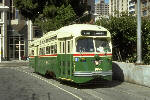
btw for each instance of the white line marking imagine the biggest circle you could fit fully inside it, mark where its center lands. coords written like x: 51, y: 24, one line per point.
x: 49, y: 83
x: 92, y: 93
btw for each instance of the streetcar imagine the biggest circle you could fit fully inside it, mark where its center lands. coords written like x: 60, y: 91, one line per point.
x: 78, y: 53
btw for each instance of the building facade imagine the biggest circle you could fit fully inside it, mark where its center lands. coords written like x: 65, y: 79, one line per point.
x: 117, y: 6
x: 101, y: 9
x: 15, y: 32
x: 145, y: 7
x: 3, y: 29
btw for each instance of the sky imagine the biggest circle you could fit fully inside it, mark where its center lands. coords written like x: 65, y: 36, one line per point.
x: 107, y: 1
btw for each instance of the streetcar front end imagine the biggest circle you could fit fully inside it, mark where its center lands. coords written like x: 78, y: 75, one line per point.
x: 93, y: 57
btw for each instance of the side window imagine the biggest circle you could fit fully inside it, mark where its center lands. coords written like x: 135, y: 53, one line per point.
x: 68, y: 47
x: 55, y: 49
x: 59, y: 47
x: 63, y: 47
x: 32, y: 52
x: 40, y: 51
x: 52, y: 49
x: 44, y: 51
x: 48, y: 50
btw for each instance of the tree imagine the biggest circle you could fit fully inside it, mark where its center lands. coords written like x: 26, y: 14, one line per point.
x: 49, y: 14
x: 64, y: 16
x: 124, y: 37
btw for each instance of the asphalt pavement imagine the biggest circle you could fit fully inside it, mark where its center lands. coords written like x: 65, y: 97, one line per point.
x: 21, y: 83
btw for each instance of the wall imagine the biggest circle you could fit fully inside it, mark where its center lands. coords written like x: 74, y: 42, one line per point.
x: 129, y: 72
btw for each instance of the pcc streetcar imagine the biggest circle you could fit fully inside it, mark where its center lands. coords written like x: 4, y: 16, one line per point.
x: 77, y: 53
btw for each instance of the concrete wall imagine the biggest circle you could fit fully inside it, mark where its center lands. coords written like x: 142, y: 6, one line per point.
x: 129, y: 72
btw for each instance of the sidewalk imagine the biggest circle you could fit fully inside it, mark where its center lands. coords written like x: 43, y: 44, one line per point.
x: 14, y: 63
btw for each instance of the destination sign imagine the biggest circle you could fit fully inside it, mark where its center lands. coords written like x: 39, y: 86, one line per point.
x: 94, y: 33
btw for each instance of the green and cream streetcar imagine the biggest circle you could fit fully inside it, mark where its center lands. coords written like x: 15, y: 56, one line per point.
x: 77, y: 53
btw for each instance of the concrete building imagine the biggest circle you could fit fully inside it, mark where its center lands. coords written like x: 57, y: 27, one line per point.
x: 3, y: 29
x: 101, y: 9
x: 15, y: 32
x: 90, y: 4
x: 145, y: 7
x: 131, y: 7
x: 117, y: 6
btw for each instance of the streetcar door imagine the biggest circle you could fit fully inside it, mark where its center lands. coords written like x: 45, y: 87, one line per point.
x: 65, y: 58
x: 69, y: 58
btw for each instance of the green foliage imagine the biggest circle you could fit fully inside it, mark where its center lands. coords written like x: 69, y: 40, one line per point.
x: 146, y: 39
x: 64, y: 16
x: 124, y: 37
x: 50, y: 14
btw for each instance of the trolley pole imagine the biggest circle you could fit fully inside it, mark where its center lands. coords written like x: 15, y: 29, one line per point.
x: 139, y: 45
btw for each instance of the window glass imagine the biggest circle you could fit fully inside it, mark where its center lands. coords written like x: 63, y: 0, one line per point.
x: 85, y: 45
x: 48, y: 50
x: 68, y: 47
x: 60, y: 47
x: 55, y: 49
x: 63, y: 47
x: 0, y: 15
x: 102, y: 45
x: 32, y: 52
x: 52, y: 49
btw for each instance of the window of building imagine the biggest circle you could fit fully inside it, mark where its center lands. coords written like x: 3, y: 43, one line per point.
x: 17, y: 14
x: 144, y: 12
x: 145, y: 3
x: 37, y: 32
x: 1, y: 1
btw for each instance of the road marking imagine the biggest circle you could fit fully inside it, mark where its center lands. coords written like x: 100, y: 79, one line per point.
x: 90, y: 92
x: 49, y: 83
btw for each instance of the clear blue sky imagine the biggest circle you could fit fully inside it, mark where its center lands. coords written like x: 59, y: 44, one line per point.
x: 107, y: 1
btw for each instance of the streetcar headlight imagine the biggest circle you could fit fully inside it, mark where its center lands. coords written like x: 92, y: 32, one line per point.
x: 97, y: 62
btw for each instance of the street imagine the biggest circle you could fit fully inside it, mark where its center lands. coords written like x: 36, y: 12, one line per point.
x: 21, y: 83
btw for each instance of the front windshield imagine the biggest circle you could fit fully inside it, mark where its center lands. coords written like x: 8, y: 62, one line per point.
x: 102, y: 45
x: 85, y: 45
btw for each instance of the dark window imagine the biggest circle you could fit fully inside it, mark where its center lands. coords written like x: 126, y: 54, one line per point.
x: 63, y: 47
x: 68, y: 46
x: 60, y: 47
x: 144, y: 12
x: 85, y: 45
x: 48, y: 50
x: 0, y: 15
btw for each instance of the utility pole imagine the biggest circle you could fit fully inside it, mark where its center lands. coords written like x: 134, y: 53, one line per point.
x: 139, y: 45
x: 0, y: 48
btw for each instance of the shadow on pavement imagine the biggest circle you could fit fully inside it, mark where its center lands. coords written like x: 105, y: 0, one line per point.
x: 117, y: 79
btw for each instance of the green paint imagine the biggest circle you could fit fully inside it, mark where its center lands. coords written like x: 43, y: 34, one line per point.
x: 64, y: 65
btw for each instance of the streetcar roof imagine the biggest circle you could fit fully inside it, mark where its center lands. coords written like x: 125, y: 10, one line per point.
x: 75, y: 30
